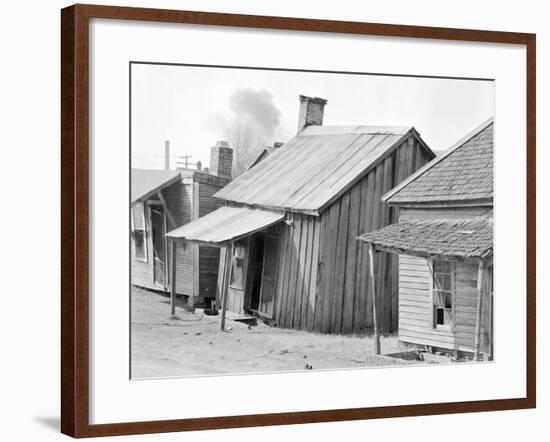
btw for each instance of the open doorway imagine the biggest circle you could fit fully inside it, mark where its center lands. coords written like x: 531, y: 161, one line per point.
x: 261, y: 273
x: 255, y: 266
x: 158, y: 228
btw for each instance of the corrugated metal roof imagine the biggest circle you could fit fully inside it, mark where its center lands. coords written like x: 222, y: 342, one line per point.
x: 465, y: 238
x: 462, y: 173
x: 314, y: 167
x: 226, y: 224
x: 146, y: 182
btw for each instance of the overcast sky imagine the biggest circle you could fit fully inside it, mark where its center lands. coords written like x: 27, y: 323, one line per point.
x: 192, y: 106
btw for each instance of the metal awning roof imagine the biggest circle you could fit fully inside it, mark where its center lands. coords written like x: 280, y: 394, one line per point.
x: 226, y: 224
x: 441, y: 238
x: 146, y: 182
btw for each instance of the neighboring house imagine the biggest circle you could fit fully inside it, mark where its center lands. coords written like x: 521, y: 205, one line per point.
x: 444, y: 239
x: 163, y: 200
x: 288, y: 231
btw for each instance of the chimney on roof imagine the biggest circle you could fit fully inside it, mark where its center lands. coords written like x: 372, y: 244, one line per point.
x: 167, y: 155
x: 199, y: 165
x: 311, y: 112
x: 221, y: 159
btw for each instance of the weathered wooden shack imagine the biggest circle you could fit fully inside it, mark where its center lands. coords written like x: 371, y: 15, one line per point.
x: 444, y: 240
x: 163, y: 200
x: 288, y: 232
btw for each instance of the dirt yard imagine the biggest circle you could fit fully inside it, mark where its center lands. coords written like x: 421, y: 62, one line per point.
x: 193, y: 345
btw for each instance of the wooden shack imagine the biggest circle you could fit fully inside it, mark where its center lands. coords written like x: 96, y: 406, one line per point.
x: 444, y: 240
x: 288, y: 231
x: 163, y: 200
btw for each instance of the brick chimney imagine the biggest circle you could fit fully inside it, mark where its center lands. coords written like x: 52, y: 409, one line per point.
x: 311, y: 112
x: 221, y: 159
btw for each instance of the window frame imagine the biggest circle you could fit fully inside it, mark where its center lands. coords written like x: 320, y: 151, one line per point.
x: 452, y: 291
x: 145, y: 256
x: 239, y: 248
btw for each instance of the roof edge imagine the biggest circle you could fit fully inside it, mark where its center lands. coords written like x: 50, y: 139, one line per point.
x: 411, y: 132
x: 438, y: 159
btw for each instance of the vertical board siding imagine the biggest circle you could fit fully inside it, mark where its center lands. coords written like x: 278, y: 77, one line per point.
x: 339, y: 274
x: 344, y: 298
x: 297, y: 272
x: 351, y: 261
x: 322, y: 270
x: 314, y: 265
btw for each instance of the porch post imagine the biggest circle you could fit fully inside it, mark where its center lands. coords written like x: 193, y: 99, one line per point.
x: 173, y: 277
x: 225, y: 285
x: 477, y: 339
x: 373, y: 285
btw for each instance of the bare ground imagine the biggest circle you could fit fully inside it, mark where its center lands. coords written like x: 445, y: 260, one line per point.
x: 194, y: 345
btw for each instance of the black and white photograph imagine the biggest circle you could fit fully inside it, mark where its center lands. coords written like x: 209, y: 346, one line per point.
x: 286, y: 220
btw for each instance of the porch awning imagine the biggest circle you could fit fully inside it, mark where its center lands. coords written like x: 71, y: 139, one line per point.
x: 226, y: 224
x: 146, y: 182
x: 452, y: 238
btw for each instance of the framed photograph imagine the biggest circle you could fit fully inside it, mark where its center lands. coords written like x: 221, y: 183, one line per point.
x: 272, y: 220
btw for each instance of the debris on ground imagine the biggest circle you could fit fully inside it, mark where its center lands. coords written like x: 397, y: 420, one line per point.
x: 158, y: 350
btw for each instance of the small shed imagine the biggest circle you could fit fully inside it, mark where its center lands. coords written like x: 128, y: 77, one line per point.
x: 288, y: 231
x: 161, y: 201
x: 444, y: 240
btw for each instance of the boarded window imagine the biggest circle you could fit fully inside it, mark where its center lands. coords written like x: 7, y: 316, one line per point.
x: 138, y: 232
x: 443, y: 293
x: 237, y: 266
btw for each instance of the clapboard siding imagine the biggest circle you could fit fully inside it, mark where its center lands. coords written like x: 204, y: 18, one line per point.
x: 194, y: 189
x: 415, y: 299
x: 416, y: 305
x: 178, y: 201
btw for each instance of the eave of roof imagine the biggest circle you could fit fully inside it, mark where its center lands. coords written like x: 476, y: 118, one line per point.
x: 146, y: 182
x: 439, y: 238
x: 226, y: 224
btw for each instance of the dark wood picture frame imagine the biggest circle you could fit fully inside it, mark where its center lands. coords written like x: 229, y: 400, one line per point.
x: 74, y: 219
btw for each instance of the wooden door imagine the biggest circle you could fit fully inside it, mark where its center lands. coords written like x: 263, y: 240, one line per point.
x: 269, y: 275
x: 158, y: 227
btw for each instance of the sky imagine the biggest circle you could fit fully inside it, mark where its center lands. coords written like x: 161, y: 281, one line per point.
x: 193, y: 106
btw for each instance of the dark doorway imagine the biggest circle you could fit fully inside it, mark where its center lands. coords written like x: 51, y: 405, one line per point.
x: 256, y: 262
x: 158, y: 227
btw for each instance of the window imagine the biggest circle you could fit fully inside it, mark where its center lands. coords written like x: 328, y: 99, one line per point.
x: 237, y: 265
x: 443, y: 290
x: 138, y: 232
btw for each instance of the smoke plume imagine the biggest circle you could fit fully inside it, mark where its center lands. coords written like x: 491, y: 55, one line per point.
x: 251, y: 125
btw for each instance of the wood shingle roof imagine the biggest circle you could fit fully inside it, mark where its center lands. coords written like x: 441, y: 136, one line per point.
x: 464, y: 238
x: 462, y: 173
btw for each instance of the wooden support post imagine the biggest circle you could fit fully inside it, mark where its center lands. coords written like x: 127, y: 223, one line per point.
x: 477, y: 339
x: 173, y: 277
x: 373, y: 285
x: 225, y: 285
